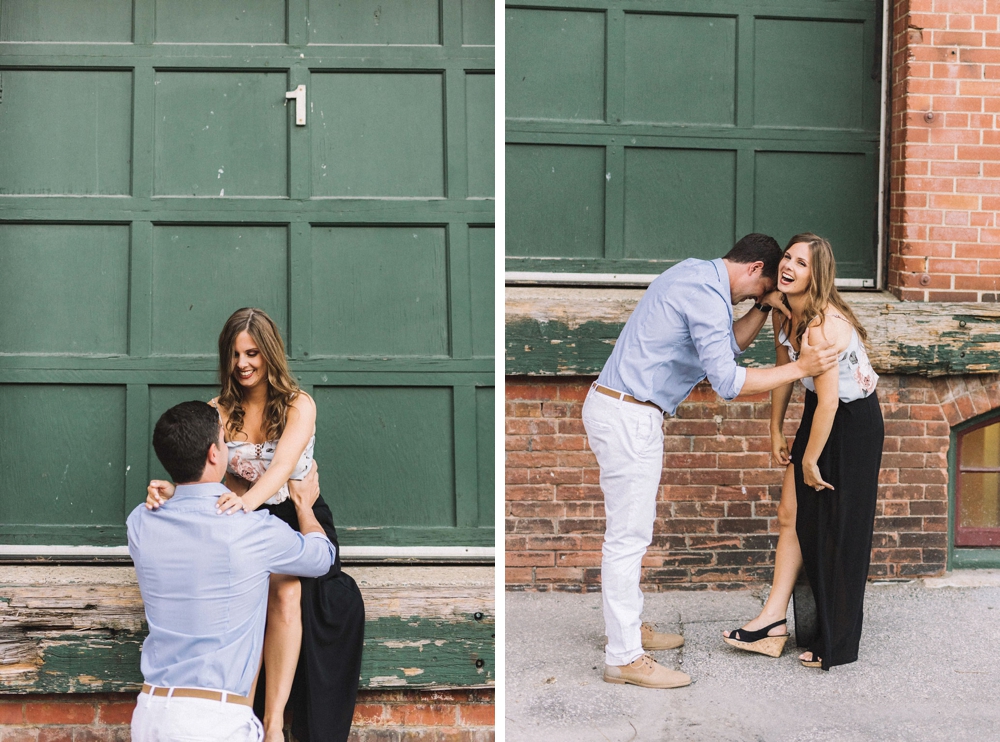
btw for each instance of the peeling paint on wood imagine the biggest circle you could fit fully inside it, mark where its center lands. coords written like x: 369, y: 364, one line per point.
x: 571, y: 331
x: 80, y: 629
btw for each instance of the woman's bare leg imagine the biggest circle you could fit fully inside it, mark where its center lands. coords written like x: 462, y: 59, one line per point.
x: 787, y: 562
x: 282, y: 641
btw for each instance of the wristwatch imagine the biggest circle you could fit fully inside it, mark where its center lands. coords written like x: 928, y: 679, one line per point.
x: 765, y: 308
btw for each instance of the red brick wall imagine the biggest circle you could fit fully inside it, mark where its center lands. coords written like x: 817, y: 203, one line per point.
x: 944, y: 238
x: 716, y: 512
x: 382, y: 715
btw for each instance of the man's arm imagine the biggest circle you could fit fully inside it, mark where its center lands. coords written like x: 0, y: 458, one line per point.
x: 747, y: 327
x: 813, y: 361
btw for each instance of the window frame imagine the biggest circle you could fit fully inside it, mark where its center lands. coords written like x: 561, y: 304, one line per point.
x: 968, y: 557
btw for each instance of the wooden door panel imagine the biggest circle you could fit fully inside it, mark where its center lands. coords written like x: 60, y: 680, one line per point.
x: 377, y: 134
x: 680, y: 69
x: 62, y: 454
x: 202, y: 274
x: 679, y: 202
x: 555, y: 64
x: 374, y: 22
x: 388, y: 455
x: 486, y: 424
x: 107, y: 21
x: 810, y: 73
x: 64, y: 288
x: 477, y: 23
x: 481, y: 273
x: 65, y: 132
x: 555, y: 200
x: 831, y: 194
x: 479, y: 129
x: 196, y: 21
x: 384, y: 289
x: 220, y: 134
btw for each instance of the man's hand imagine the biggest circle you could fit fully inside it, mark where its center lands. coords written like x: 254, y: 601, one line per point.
x: 157, y: 493
x: 304, y: 493
x: 816, y: 359
x: 776, y: 300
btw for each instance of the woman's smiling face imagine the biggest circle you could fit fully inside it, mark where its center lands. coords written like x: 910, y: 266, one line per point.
x: 250, y: 367
x: 794, y: 270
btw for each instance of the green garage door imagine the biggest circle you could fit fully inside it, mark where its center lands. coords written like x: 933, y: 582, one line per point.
x: 643, y: 132
x: 153, y: 180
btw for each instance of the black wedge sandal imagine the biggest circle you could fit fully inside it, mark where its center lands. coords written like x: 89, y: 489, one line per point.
x: 758, y: 641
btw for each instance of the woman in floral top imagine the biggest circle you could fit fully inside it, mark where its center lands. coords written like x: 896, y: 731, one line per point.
x: 827, y: 510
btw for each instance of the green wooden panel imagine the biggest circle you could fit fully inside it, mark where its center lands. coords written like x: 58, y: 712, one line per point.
x: 830, y: 194
x: 555, y: 200
x: 46, y: 307
x: 66, y: 20
x: 220, y: 134
x: 379, y: 291
x: 555, y: 64
x: 477, y: 23
x: 680, y: 69
x: 679, y: 202
x: 377, y: 134
x: 482, y: 274
x: 65, y: 132
x: 374, y: 22
x: 485, y: 433
x: 161, y: 399
x: 202, y: 274
x: 387, y: 454
x: 196, y: 21
x: 62, y: 454
x: 809, y: 73
x: 479, y: 130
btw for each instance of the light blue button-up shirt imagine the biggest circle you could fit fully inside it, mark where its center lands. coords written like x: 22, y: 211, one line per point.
x: 204, y: 578
x: 680, y: 333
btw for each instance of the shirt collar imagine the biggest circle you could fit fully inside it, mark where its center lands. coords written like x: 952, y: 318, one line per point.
x: 202, y: 489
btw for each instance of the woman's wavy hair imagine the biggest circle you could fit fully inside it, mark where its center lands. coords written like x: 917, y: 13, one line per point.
x: 822, y: 291
x: 281, y: 386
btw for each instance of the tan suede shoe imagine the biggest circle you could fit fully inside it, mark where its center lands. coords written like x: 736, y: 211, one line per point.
x: 653, y: 640
x: 646, y: 672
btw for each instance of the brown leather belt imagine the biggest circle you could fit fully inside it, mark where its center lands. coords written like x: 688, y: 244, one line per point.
x: 624, y: 396
x: 209, y: 695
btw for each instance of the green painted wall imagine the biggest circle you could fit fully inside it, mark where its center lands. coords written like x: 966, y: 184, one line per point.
x: 152, y: 180
x: 642, y: 133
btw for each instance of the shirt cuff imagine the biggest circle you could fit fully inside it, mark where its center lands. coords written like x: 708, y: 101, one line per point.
x: 315, y: 534
x: 739, y: 381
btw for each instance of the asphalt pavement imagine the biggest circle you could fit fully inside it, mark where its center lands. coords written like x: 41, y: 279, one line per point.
x: 929, y: 670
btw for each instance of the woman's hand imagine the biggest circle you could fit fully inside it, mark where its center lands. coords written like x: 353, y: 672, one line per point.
x: 231, y: 503
x: 157, y: 493
x: 812, y: 477
x: 779, y: 449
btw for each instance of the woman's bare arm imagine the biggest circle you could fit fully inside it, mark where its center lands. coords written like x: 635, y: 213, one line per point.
x: 298, y: 430
x: 779, y: 404
x: 828, y: 398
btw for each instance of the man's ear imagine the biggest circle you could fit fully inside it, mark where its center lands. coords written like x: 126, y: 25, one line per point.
x: 756, y: 267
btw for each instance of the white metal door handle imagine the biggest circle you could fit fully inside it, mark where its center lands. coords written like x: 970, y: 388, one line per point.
x: 299, y: 94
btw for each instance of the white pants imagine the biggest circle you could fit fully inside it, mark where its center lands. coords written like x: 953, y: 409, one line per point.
x: 627, y: 439
x: 164, y: 719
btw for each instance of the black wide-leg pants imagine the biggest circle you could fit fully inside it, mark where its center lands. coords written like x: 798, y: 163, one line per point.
x: 835, y: 526
x: 333, y: 634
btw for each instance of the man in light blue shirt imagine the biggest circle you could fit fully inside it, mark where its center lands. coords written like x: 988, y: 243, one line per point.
x: 204, y: 581
x: 681, y: 331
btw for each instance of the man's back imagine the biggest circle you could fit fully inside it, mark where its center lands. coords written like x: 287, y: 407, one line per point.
x: 203, y: 578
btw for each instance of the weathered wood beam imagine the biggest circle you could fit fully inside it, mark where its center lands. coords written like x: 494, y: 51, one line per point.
x: 80, y: 629
x: 570, y: 331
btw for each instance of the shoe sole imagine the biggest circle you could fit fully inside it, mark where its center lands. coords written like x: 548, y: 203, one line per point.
x: 652, y: 648
x: 772, y: 646
x: 623, y: 681
x: 811, y: 663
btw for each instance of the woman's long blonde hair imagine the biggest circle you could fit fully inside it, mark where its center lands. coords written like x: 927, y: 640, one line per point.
x: 822, y: 292
x: 281, y: 386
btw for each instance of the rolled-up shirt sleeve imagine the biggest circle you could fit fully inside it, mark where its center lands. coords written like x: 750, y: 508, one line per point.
x: 711, y: 328
x: 292, y: 553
